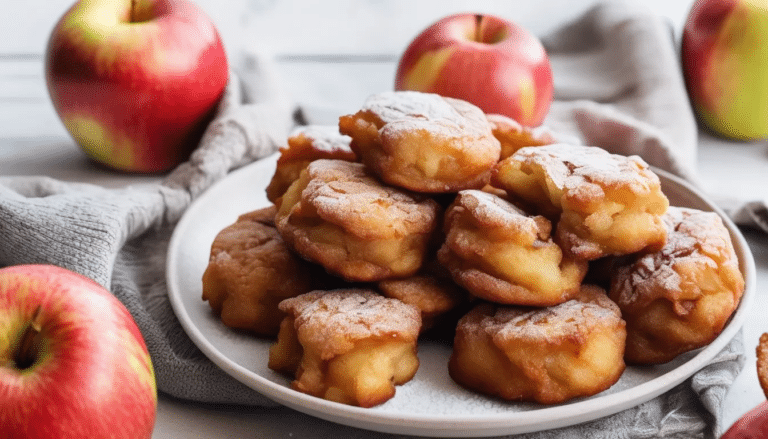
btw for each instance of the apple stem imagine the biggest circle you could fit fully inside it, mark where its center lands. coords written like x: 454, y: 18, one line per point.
x: 478, y: 28
x: 133, y: 11
x: 28, y: 346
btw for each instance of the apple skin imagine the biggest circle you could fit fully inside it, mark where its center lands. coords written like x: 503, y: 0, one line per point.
x: 725, y: 60
x: 136, y: 82
x: 753, y: 425
x: 90, y: 374
x: 483, y: 59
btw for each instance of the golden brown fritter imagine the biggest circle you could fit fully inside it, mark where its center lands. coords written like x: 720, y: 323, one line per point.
x: 432, y: 292
x: 501, y: 254
x: 423, y: 142
x: 679, y: 298
x: 251, y: 270
x: 339, y: 216
x: 350, y: 345
x: 307, y: 144
x: 604, y: 204
x: 514, y: 136
x: 546, y: 355
x: 762, y: 362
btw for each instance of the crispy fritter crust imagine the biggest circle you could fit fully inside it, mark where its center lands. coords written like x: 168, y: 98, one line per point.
x: 679, y: 298
x: 423, y: 142
x: 545, y: 355
x: 307, y: 144
x: 501, y: 254
x: 251, y: 270
x: 341, y: 217
x: 349, y: 345
x: 604, y: 204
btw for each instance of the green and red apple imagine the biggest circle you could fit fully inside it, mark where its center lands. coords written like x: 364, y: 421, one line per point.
x: 725, y: 64
x: 486, y: 60
x: 73, y: 363
x: 136, y: 82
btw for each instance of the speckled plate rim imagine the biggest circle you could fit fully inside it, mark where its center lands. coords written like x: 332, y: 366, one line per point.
x: 243, y: 190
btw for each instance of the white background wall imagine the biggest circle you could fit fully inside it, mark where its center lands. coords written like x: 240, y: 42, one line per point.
x: 330, y: 26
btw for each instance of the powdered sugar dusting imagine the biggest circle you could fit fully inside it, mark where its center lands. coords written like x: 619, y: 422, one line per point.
x: 572, y: 166
x: 410, y: 110
x: 570, y: 319
x: 323, y: 138
x: 546, y: 325
x: 693, y: 237
x: 493, y: 210
x: 344, y: 193
x: 333, y: 321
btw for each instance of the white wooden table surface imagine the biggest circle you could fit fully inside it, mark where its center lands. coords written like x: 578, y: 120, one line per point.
x: 307, y: 38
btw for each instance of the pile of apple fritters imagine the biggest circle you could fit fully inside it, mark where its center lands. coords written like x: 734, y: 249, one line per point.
x: 547, y: 265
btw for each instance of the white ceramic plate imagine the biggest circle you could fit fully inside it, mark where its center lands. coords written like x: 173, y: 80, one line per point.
x: 430, y: 404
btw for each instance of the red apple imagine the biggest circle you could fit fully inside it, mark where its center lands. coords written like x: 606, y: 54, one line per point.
x: 725, y: 60
x: 753, y: 425
x: 135, y: 82
x: 486, y: 60
x: 73, y: 363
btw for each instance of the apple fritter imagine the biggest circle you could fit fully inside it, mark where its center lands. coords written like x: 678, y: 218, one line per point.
x: 432, y: 291
x: 514, y: 136
x: 306, y: 144
x: 679, y: 298
x: 546, y: 355
x: 341, y: 217
x: 351, y: 346
x: 423, y: 142
x: 604, y: 204
x: 250, y: 270
x: 499, y: 253
x: 762, y: 362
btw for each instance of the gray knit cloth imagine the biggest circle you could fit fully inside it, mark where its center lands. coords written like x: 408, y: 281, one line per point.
x: 618, y: 85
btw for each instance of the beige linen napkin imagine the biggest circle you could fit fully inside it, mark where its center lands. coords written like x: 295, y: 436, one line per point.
x: 618, y: 86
